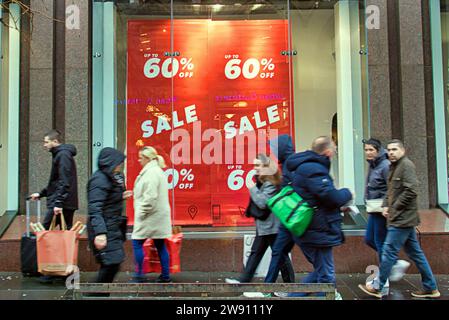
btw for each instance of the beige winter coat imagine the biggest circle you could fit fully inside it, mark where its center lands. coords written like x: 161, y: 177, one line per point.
x: 152, y: 217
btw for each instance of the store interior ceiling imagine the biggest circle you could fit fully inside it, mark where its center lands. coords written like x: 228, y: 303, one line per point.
x: 220, y: 7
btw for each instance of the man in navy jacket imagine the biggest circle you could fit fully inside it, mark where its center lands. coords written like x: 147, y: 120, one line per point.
x: 311, y: 180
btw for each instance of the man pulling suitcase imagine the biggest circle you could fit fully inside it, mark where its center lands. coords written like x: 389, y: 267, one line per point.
x: 62, y: 188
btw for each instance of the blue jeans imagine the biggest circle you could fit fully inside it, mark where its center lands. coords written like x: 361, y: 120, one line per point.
x: 163, y: 257
x: 282, y: 246
x: 322, y: 260
x: 406, y: 238
x: 376, y: 232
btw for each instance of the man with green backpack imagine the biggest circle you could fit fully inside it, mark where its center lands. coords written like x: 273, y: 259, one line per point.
x: 321, y: 202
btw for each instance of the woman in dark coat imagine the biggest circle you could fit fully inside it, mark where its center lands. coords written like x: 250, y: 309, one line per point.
x: 376, y: 189
x: 106, y: 225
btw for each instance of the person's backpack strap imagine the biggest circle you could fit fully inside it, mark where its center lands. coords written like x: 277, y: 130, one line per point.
x: 300, y: 203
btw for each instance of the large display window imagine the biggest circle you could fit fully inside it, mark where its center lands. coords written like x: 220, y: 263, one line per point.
x: 209, y: 85
x: 439, y: 17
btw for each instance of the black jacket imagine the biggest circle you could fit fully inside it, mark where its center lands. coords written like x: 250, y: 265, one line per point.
x: 62, y: 189
x: 105, y: 205
x: 376, y: 181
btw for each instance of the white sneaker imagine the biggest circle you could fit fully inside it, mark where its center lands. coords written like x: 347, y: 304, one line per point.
x: 375, y: 283
x: 281, y: 294
x: 399, y: 269
x: 256, y: 295
x: 338, y: 295
x: 231, y: 281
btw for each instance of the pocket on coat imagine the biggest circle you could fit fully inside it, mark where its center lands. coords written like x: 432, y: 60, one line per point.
x: 397, y: 183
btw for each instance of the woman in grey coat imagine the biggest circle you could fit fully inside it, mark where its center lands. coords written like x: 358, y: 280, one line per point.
x: 268, y: 180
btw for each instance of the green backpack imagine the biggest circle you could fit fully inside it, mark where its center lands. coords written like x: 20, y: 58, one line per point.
x: 293, y: 211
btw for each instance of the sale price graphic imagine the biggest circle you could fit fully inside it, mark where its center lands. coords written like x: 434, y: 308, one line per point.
x: 237, y: 179
x: 183, y: 179
x: 170, y: 68
x: 251, y: 68
x: 208, y: 109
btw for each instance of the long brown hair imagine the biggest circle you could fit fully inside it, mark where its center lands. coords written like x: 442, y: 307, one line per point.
x: 274, y: 175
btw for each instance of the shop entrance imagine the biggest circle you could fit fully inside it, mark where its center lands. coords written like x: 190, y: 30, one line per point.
x: 194, y: 80
x: 209, y: 93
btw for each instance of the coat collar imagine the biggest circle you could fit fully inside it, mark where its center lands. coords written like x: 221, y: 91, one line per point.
x: 149, y: 165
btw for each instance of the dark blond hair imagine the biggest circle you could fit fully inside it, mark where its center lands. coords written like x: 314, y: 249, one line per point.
x: 275, y: 177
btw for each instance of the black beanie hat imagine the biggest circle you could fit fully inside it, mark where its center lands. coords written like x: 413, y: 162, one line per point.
x: 373, y: 142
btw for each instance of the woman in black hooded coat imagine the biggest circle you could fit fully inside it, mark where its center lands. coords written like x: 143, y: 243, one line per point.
x: 106, y: 225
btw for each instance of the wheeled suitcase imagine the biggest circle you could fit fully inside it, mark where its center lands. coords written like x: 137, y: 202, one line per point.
x: 28, y: 255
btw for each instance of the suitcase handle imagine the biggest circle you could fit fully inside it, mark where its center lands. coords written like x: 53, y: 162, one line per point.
x: 28, y: 214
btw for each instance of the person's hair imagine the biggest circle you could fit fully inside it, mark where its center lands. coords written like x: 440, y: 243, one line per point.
x: 321, y: 144
x: 54, y: 135
x: 398, y: 142
x: 275, y: 177
x: 376, y: 144
x: 151, y: 153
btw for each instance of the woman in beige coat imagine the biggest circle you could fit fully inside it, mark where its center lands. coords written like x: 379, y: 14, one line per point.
x: 151, y: 212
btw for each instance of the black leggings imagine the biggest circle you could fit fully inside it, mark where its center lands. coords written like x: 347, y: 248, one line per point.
x: 107, y: 273
x: 260, y: 245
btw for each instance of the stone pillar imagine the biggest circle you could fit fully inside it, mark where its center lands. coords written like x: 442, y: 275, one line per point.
x: 379, y: 73
x: 77, y: 90
x: 413, y: 93
x: 41, y: 93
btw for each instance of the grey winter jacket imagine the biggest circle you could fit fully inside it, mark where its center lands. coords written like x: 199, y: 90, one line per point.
x: 260, y: 196
x: 376, y: 182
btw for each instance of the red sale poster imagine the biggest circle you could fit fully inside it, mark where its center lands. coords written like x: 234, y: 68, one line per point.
x: 208, y: 106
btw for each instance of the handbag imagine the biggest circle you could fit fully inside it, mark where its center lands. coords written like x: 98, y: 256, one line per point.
x: 374, y: 205
x: 57, y: 250
x: 152, y: 263
x: 292, y: 210
x: 252, y: 210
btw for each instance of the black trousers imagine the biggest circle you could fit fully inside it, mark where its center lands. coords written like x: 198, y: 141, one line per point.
x: 68, y: 216
x: 258, y: 249
x: 107, y: 273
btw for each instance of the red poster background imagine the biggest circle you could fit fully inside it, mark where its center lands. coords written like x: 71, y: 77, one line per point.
x: 203, y: 48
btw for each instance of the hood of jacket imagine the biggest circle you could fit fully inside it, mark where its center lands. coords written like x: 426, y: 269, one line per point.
x: 307, y: 156
x: 64, y: 147
x: 282, y: 147
x: 110, y: 158
x: 381, y: 157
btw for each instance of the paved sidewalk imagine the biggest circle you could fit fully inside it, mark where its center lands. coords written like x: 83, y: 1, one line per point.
x: 14, y: 287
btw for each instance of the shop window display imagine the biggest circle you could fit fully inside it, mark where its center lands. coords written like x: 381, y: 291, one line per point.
x: 208, y: 86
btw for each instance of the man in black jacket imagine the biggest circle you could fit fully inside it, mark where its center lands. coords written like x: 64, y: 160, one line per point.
x: 62, y: 188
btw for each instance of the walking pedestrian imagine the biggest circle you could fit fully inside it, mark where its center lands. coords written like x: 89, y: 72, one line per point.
x: 268, y: 181
x: 106, y: 226
x: 375, y: 192
x: 314, y: 184
x: 62, y: 189
x: 401, y: 210
x: 151, y: 213
x: 284, y: 243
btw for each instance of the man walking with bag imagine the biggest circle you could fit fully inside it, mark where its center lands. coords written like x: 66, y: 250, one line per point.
x: 314, y: 184
x: 62, y: 188
x: 401, y: 210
